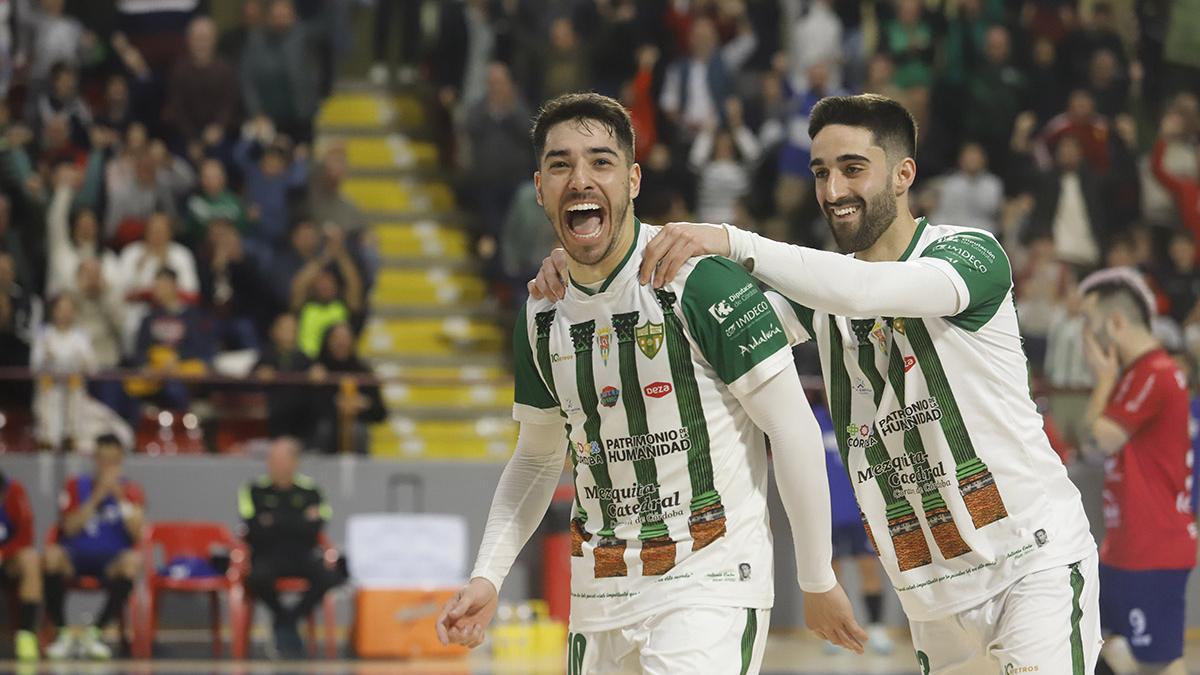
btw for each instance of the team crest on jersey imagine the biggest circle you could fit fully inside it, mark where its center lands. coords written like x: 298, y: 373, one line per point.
x: 879, y: 334
x: 604, y: 339
x: 898, y: 325
x: 649, y: 338
x: 609, y: 396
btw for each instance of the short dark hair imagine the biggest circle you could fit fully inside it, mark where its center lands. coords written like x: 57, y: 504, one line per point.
x: 892, y: 126
x: 584, y: 107
x: 109, y: 439
x: 1121, y: 296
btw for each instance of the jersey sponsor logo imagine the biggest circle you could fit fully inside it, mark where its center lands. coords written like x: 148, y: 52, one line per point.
x: 647, y: 446
x: 905, y: 470
x: 909, y: 362
x: 963, y: 256
x: 649, y: 338
x: 911, y: 416
x: 1014, y: 669
x: 722, y: 309
x: 609, y: 396
x: 860, y: 437
x: 658, y: 389
x: 556, y: 357
x: 748, y: 318
x: 759, y: 340
x: 604, y: 339
x: 589, y: 454
x: 861, y: 388
x: 637, y: 503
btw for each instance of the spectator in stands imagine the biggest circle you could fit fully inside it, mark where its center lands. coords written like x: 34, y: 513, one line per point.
x: 498, y: 130
x: 524, y: 241
x: 325, y: 292
x: 346, y: 407
x: 971, y: 196
x: 723, y: 158
x: 99, y: 527
x: 1068, y: 206
x: 202, y: 92
x: 817, y: 39
x: 20, y: 312
x: 1047, y: 96
x: 1178, y: 279
x: 284, y: 513
x: 565, y: 68
x: 637, y: 95
x: 1085, y: 125
x: 1067, y: 372
x: 1107, y: 84
x: 123, y: 104
x: 54, y: 38
x: 1043, y: 285
x: 100, y: 308
x: 304, y: 245
x: 231, y: 287
x: 62, y: 355
x: 62, y: 99
x: 327, y: 204
x: 57, y: 147
x: 289, y: 410
x: 271, y: 170
x: 149, y: 182
x: 69, y: 245
x: 213, y: 201
x: 613, y: 28
x: 15, y: 243
x: 793, y: 192
x: 233, y: 41
x: 686, y: 103
x: 279, y: 74
x: 908, y: 38
x: 1184, y: 191
x: 20, y: 563
x: 141, y: 261
x: 996, y: 92
x: 173, y: 339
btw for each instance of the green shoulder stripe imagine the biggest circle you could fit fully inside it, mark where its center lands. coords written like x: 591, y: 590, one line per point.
x: 983, y: 266
x: 528, y: 387
x: 729, y: 317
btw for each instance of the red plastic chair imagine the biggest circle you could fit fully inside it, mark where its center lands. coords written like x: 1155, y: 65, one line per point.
x: 241, y: 633
x: 190, y: 538
x: 127, y: 622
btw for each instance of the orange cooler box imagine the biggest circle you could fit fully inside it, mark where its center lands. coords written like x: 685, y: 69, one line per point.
x: 400, y: 623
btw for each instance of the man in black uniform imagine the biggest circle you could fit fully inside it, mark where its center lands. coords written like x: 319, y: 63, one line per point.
x: 284, y: 512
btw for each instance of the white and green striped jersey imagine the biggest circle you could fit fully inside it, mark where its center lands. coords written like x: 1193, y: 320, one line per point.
x: 670, y: 472
x: 960, y: 490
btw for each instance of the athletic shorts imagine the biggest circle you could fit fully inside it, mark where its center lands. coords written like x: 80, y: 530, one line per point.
x: 1046, y: 622
x: 1147, y: 608
x: 684, y: 640
x: 92, y: 562
x: 850, y: 541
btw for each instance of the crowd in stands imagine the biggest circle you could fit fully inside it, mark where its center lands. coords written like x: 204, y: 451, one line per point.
x: 1068, y: 128
x: 161, y: 204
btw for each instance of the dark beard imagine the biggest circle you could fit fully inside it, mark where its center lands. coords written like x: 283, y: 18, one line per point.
x: 877, y: 215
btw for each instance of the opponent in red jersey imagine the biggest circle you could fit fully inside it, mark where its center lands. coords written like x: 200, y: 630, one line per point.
x: 1138, y: 418
x: 19, y: 562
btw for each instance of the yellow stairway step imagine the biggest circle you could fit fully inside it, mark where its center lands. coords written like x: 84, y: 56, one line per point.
x: 419, y: 287
x: 430, y: 337
x: 390, y: 152
x: 421, y: 239
x: 391, y: 195
x: 410, y: 112
x: 486, y: 438
x: 356, y: 110
x: 398, y: 396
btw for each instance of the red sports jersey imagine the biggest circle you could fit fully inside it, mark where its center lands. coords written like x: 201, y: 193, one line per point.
x: 16, y: 520
x: 1147, y: 486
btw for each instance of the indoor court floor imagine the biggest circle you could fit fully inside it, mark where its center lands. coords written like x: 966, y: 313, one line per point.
x: 786, y: 655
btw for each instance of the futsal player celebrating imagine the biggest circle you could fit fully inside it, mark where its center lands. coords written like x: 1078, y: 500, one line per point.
x: 658, y: 396
x: 973, y: 516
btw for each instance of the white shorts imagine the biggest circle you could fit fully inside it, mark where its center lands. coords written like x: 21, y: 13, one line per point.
x: 725, y: 640
x: 1048, y: 622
